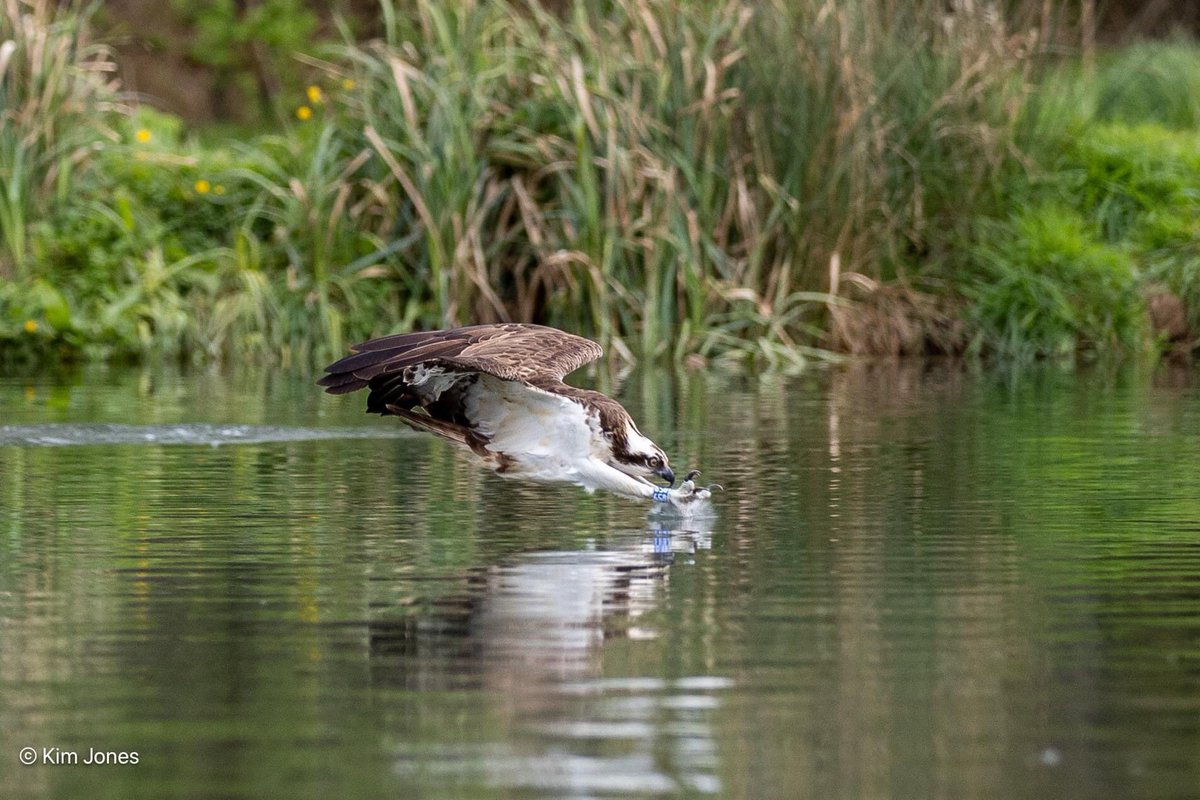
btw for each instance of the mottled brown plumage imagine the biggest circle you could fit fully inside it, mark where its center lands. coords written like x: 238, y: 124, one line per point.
x: 497, y: 391
x: 511, y: 351
x: 532, y: 354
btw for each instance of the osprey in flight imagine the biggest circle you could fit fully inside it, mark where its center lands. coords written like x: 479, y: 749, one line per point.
x: 497, y: 391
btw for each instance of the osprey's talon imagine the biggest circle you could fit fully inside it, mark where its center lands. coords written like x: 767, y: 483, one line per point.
x: 689, y: 493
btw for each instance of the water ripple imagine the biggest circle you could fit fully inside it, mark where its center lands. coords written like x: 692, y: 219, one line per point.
x: 65, y: 435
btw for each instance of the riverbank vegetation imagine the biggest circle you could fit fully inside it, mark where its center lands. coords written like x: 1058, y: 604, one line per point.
x: 731, y: 180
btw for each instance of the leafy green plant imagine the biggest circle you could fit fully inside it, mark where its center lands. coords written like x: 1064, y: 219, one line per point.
x: 630, y: 173
x: 1050, y: 286
x: 672, y: 178
x: 1151, y: 83
x: 55, y: 100
x: 251, y: 46
x: 1123, y: 172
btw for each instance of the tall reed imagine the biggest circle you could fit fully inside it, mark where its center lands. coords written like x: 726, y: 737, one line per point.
x: 55, y: 90
x: 722, y: 177
x: 656, y: 173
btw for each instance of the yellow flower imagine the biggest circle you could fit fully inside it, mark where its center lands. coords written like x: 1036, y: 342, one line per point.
x: 314, y: 94
x: 30, y: 326
x: 202, y: 186
x: 218, y: 189
x: 142, y: 135
x: 348, y: 85
x: 303, y: 112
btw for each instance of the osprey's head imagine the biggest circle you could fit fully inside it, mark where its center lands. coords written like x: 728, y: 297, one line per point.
x: 636, y: 455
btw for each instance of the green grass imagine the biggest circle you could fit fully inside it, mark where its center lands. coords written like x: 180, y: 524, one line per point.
x: 56, y: 94
x: 1151, y: 83
x: 645, y: 176
x: 1051, y: 286
x: 670, y: 178
x: 1108, y: 211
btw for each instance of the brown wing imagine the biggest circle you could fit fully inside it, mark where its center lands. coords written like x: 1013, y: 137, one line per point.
x: 515, y: 352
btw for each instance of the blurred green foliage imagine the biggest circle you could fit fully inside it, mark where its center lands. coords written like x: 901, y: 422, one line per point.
x: 1109, y: 211
x: 250, y: 46
x: 1151, y: 83
x: 1050, y: 286
x: 669, y: 179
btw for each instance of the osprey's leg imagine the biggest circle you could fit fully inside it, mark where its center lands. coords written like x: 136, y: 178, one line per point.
x: 611, y: 479
x: 599, y: 475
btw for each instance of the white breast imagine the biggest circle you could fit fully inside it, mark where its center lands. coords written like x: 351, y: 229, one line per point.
x: 545, y: 436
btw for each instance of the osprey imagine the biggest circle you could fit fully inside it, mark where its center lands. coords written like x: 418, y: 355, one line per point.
x: 497, y: 391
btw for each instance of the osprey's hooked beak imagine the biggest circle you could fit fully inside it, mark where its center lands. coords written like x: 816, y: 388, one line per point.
x: 667, y: 474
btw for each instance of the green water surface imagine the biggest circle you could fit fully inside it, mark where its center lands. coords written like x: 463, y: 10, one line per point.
x: 922, y: 582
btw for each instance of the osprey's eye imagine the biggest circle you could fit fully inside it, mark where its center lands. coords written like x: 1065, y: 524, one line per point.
x: 655, y: 462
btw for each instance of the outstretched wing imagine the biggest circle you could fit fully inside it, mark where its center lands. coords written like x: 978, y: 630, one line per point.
x: 511, y: 351
x: 425, y: 378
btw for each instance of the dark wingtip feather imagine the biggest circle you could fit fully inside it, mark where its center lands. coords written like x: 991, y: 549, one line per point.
x: 509, y: 351
x: 346, y: 388
x: 335, y: 379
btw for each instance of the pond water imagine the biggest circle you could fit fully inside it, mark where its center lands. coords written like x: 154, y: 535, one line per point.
x: 923, y: 581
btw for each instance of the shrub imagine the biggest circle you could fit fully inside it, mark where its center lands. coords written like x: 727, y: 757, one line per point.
x: 1049, y: 286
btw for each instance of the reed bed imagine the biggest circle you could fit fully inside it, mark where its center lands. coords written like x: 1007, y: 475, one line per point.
x: 676, y: 178
x: 56, y: 90
x: 720, y: 179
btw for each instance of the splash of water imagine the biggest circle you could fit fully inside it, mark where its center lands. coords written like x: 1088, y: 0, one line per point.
x: 65, y: 435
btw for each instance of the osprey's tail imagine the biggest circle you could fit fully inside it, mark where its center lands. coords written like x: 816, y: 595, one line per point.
x: 451, y: 431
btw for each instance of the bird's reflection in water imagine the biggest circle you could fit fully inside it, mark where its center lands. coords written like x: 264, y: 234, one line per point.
x: 529, y: 636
